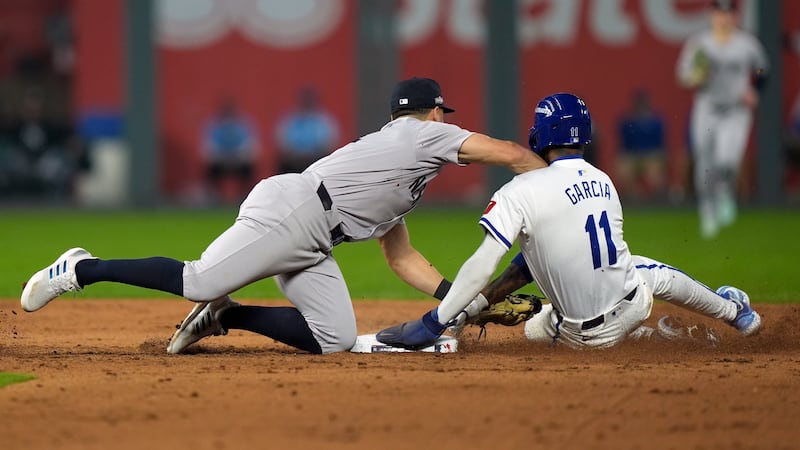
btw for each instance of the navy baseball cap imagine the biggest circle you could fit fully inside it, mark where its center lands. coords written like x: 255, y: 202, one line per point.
x: 418, y: 93
x: 724, y: 5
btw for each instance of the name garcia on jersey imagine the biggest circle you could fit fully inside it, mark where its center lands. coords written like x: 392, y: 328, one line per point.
x: 588, y: 189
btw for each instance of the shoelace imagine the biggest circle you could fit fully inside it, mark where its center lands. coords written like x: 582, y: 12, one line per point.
x: 205, y: 324
x: 60, y: 279
x: 202, y: 323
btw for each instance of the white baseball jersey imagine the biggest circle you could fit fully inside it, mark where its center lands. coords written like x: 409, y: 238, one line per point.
x: 567, y: 219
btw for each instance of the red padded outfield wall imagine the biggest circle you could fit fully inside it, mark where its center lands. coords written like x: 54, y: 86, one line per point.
x: 261, y: 52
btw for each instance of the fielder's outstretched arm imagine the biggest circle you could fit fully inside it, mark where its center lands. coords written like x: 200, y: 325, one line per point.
x: 408, y: 263
x: 482, y: 149
x: 471, y: 278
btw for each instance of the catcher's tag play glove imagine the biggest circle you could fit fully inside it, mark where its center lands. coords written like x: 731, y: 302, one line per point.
x: 513, y: 310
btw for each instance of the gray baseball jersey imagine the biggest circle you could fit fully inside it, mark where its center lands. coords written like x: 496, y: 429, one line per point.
x: 284, y: 227
x: 376, y: 180
x: 731, y: 66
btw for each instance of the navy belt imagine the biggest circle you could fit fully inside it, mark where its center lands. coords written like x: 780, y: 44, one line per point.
x: 337, y: 235
x: 599, y: 320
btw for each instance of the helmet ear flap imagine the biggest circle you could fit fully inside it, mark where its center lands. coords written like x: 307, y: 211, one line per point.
x: 532, y: 138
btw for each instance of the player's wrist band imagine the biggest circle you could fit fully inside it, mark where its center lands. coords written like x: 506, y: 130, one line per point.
x: 519, y: 261
x: 443, y: 288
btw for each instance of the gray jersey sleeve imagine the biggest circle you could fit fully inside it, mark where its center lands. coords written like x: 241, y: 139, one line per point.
x: 439, y: 141
x: 377, y: 179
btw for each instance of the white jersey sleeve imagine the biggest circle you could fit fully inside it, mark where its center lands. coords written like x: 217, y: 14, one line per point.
x: 503, y: 217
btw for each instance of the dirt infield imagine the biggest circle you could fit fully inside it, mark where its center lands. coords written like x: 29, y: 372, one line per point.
x: 104, y: 381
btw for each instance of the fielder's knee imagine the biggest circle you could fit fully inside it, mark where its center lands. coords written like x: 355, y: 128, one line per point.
x: 199, y: 286
x: 342, y: 341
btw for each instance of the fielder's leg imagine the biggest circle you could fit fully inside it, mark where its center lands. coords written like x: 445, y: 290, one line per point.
x: 322, y: 322
x: 282, y: 323
x: 322, y: 298
x: 77, y: 268
x: 262, y: 242
x: 160, y: 273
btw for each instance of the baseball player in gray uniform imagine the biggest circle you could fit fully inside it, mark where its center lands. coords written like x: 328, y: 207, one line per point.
x: 725, y: 66
x: 567, y: 219
x: 289, y: 224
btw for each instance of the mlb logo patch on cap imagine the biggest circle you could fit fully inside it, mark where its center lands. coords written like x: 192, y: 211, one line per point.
x: 418, y: 93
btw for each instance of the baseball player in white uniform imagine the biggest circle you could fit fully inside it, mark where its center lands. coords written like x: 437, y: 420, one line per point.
x: 289, y: 224
x: 567, y: 219
x: 725, y: 66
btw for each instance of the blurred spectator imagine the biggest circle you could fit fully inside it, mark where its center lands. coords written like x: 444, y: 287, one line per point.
x: 230, y: 146
x: 641, y: 166
x: 306, y: 134
x: 38, y: 156
x: 59, y: 36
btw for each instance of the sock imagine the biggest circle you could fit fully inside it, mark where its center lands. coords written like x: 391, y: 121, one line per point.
x: 163, y: 274
x: 282, y: 323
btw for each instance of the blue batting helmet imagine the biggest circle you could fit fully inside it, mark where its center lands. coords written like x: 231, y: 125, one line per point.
x: 560, y: 120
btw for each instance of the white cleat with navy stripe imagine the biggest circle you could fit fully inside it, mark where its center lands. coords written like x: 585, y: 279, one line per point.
x: 54, y: 280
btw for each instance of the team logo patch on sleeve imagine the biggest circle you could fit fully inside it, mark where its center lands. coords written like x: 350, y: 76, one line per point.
x: 489, y: 207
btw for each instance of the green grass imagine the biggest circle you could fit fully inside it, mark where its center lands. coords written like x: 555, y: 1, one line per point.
x: 7, y: 378
x: 758, y: 253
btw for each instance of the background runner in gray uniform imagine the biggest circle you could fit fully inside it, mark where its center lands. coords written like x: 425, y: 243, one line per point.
x: 725, y: 65
x: 289, y: 224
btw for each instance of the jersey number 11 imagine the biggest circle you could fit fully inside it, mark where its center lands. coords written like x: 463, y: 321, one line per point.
x: 594, y: 242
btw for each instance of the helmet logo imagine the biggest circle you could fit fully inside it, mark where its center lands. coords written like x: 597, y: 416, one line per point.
x: 548, y: 111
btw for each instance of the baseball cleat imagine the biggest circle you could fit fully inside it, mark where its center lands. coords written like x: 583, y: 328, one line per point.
x: 54, y: 280
x: 201, y: 322
x: 747, y: 320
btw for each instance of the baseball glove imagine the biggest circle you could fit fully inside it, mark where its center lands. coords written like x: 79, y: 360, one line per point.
x: 513, y: 310
x: 701, y: 67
